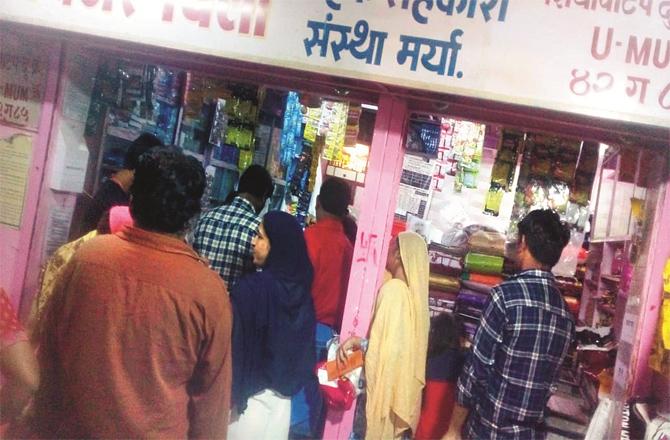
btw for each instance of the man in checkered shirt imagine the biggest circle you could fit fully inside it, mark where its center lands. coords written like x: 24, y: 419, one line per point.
x: 223, y: 235
x: 523, y: 337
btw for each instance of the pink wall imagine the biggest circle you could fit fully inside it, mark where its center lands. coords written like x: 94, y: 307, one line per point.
x: 374, y: 232
x: 15, y: 244
x: 652, y: 295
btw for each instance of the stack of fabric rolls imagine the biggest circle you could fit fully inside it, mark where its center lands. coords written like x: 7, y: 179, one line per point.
x: 483, y: 269
x: 444, y: 282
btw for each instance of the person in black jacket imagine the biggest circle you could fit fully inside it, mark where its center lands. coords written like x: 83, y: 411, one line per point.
x: 115, y: 190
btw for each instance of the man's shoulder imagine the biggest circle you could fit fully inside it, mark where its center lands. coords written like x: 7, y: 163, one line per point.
x: 110, y: 191
x: 109, y: 252
x: 532, y: 292
x: 334, y: 238
x: 97, y: 247
x: 230, y: 214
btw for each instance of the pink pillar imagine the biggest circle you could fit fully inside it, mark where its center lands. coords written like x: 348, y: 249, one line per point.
x: 659, y: 252
x: 16, y: 243
x: 374, y: 231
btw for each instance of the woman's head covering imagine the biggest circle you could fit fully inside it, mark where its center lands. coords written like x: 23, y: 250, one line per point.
x: 274, y: 320
x: 288, y: 260
x: 396, y: 356
x: 414, y: 256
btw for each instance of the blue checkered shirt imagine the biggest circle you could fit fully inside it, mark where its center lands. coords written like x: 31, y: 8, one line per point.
x: 223, y: 236
x: 523, y: 337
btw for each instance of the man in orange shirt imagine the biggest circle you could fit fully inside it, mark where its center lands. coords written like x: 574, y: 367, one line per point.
x: 330, y: 252
x: 135, y: 341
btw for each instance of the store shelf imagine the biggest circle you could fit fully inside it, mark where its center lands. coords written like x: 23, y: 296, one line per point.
x: 221, y: 164
x: 611, y: 278
x: 612, y: 240
x: 606, y: 309
x: 591, y: 284
x: 127, y: 134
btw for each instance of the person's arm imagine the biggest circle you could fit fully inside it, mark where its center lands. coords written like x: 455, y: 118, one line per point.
x: 19, y: 366
x: 17, y: 362
x: 209, y: 389
x: 458, y: 418
x: 351, y: 344
x: 480, y: 362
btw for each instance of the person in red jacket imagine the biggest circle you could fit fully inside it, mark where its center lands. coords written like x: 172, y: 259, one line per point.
x: 330, y: 252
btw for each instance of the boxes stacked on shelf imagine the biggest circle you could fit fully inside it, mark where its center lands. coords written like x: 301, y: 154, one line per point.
x: 445, y: 272
x: 571, y: 287
x: 483, y: 269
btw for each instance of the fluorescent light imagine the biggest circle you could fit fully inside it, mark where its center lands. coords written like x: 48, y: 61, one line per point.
x: 370, y: 107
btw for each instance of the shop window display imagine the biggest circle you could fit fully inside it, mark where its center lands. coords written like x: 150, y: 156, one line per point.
x: 227, y: 125
x: 483, y: 180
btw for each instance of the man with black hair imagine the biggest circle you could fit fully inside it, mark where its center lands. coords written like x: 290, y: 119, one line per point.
x: 523, y: 337
x: 223, y: 235
x: 135, y: 341
x: 114, y: 191
x: 330, y: 252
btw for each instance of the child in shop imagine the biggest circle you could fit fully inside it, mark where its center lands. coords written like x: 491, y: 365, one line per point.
x: 443, y: 366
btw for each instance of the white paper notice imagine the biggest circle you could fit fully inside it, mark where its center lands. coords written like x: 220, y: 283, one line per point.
x: 620, y: 376
x: 15, y: 152
x: 628, y: 327
x: 414, y: 192
x: 70, y: 158
x: 58, y: 227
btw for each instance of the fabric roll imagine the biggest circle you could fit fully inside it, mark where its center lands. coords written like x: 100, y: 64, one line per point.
x: 444, y: 283
x: 477, y: 287
x: 485, y: 264
x: 440, y: 294
x: 481, y: 278
x: 489, y: 243
x: 451, y: 271
x: 470, y: 297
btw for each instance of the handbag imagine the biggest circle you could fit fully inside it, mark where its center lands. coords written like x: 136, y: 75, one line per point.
x: 338, y: 394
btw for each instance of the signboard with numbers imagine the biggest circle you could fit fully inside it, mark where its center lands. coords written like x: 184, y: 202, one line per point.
x: 603, y: 58
x: 23, y: 72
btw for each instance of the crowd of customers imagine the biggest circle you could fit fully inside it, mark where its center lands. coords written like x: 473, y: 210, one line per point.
x: 137, y: 333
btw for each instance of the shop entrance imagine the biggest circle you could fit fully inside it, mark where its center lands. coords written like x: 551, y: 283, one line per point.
x: 464, y: 187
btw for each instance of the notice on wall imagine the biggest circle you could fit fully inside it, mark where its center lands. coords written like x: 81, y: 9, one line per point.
x: 70, y: 161
x: 23, y: 74
x: 58, y: 226
x: 15, y: 152
x: 628, y: 327
x: 414, y: 191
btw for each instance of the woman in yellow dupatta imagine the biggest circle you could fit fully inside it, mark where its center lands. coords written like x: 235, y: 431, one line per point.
x: 395, y: 360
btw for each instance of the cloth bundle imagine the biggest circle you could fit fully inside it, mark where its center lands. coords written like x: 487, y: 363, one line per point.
x: 472, y: 298
x: 477, y: 287
x: 444, y: 262
x: 444, y: 283
x: 489, y: 243
x: 484, y: 264
x: 480, y: 278
x: 440, y: 302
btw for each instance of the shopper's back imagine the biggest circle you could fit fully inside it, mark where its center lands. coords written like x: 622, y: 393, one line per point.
x: 136, y: 343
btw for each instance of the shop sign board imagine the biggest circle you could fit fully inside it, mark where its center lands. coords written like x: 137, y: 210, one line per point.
x: 23, y: 74
x: 602, y: 58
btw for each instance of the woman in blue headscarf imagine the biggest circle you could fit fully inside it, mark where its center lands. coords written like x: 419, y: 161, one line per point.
x: 273, y: 331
